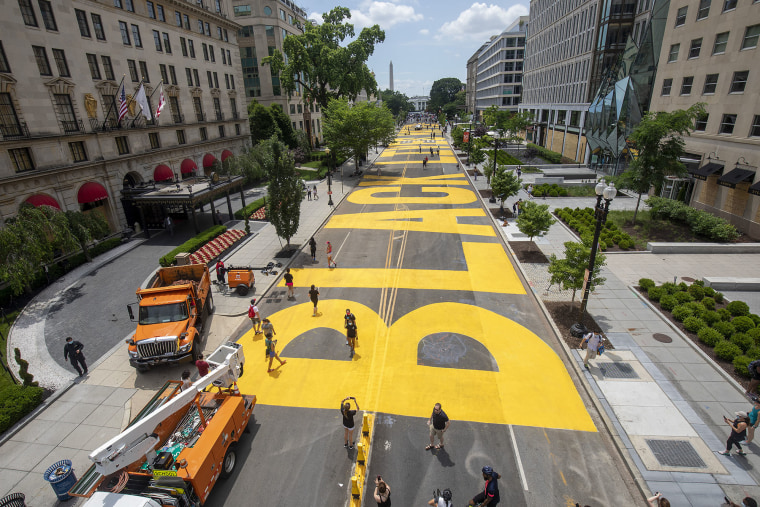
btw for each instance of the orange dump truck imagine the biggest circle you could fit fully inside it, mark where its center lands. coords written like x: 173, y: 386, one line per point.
x: 170, y: 317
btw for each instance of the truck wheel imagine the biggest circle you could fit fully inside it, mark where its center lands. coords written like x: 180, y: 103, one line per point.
x: 210, y: 304
x: 228, y: 465
x: 242, y: 289
x: 196, y: 350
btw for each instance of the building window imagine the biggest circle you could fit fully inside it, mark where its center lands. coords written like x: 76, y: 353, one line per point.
x: 210, y: 79
x: 681, y: 16
x: 155, y: 142
x: 754, y: 130
x: 233, y: 108
x: 221, y: 131
x: 686, y: 85
x: 667, y: 85
x: 739, y: 82
x: 84, y: 25
x: 21, y: 158
x: 695, y: 48
x: 27, y: 12
x: 129, y: 5
x: 721, y: 41
x: 151, y: 10
x: 205, y: 51
x: 60, y: 61
x: 751, y: 35
x: 704, y: 9
x: 181, y: 137
x: 157, y: 40
x: 197, y: 78
x: 122, y: 145
x: 40, y: 55
x: 198, y: 108
x: 78, y: 152
x: 97, y: 25
x: 164, y: 73
x: 269, y: 30
x: 200, y: 26
x: 727, y: 124
x: 208, y: 29
x: 186, y: 21
x: 729, y: 5
x: 92, y: 61
x: 700, y: 124
x: 108, y: 68
x: 136, y: 36
x: 216, y: 80
x: 124, y: 33
x: 144, y: 72
x: 189, y: 74
x: 232, y: 81
x: 673, y: 53
x: 237, y: 129
x: 117, y: 4
x: 47, y: 15
x: 178, y: 18
x: 191, y: 47
x: 183, y: 46
x: 226, y: 37
x: 204, y: 134
x: 241, y: 10
x: 133, y: 71
x: 173, y: 74
x: 211, y: 53
x: 9, y: 124
x: 161, y: 16
x: 167, y: 44
x: 267, y: 11
x: 227, y: 81
x: 224, y: 58
x: 711, y: 83
x: 219, y: 33
x: 4, y: 65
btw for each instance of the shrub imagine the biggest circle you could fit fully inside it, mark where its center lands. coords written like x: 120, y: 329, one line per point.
x: 668, y: 302
x: 724, y: 315
x: 709, y: 336
x: 755, y: 319
x: 727, y: 351
x: 696, y: 308
x: 646, y: 283
x: 550, y: 156
x: 696, y: 292
x: 755, y: 334
x: 709, y: 291
x: 718, y: 297
x: 655, y: 293
x: 247, y: 211
x: 670, y: 287
x: 17, y: 401
x: 744, y: 341
x: 700, y: 222
x: 23, y: 367
x: 683, y: 297
x: 753, y: 352
x: 708, y: 303
x: 742, y: 324
x: 681, y: 312
x: 693, y: 324
x: 192, y: 244
x: 626, y: 244
x: 741, y: 365
x: 738, y: 308
x: 683, y: 286
x: 724, y: 328
x: 710, y: 317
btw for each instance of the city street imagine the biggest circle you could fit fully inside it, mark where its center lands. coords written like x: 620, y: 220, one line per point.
x: 443, y: 317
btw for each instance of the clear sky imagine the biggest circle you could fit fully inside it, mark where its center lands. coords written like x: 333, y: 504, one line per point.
x: 426, y: 39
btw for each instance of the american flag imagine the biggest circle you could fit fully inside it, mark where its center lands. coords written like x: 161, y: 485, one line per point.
x: 122, y: 103
x: 161, y: 100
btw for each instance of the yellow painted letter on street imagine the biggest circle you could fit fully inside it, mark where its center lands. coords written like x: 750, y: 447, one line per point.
x: 390, y: 195
x: 438, y: 220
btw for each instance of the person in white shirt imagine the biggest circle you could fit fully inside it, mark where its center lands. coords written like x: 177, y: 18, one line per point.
x: 591, y: 341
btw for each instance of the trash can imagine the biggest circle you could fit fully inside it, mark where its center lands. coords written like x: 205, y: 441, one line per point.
x: 61, y: 477
x: 578, y: 329
x: 13, y: 500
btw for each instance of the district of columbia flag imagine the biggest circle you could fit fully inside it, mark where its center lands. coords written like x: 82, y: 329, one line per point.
x: 161, y: 99
x: 142, y: 101
x: 122, y: 102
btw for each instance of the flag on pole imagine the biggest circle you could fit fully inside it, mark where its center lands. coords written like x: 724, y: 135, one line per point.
x: 161, y: 99
x: 122, y: 102
x: 142, y: 101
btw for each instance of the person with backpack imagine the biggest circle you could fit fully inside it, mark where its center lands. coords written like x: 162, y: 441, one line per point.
x: 441, y: 499
x: 490, y: 494
x: 349, y: 322
x: 269, y: 333
x: 255, y: 316
x: 220, y: 271
x: 754, y: 370
x: 314, y: 296
x: 592, y: 341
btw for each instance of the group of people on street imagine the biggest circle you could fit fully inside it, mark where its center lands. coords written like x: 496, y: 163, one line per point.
x: 265, y: 326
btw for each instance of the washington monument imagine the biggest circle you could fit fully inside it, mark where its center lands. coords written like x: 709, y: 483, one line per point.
x: 391, y: 73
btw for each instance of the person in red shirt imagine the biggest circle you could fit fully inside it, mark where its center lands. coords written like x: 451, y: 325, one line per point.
x: 202, y: 366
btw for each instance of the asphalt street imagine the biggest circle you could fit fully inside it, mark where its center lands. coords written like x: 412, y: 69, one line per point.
x: 443, y: 316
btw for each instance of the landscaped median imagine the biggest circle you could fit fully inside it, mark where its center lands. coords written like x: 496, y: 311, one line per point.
x: 217, y: 246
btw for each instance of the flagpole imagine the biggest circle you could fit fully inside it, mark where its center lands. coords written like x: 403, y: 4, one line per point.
x: 113, y: 104
x: 131, y: 99
x: 154, y: 118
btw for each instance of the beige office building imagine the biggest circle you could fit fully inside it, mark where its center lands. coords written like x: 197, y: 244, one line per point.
x: 61, y: 65
x: 710, y: 55
x: 265, y: 25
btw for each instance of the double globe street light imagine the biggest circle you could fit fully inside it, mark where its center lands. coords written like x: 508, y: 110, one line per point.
x: 606, y: 193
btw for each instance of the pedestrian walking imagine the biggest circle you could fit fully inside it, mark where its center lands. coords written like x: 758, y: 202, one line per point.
x: 754, y: 371
x: 424, y: 162
x: 530, y: 191
x: 308, y: 194
x: 316, y: 196
x: 519, y: 171
x: 314, y: 296
x: 270, y: 343
x: 220, y: 272
x: 330, y: 262
x: 382, y: 492
x: 289, y: 283
x: 514, y: 208
x: 441, y: 499
x: 348, y: 421
x: 592, y: 341
x: 490, y: 494
x: 658, y: 500
x: 202, y: 366
x: 748, y: 501
x: 438, y: 423
x: 219, y: 218
x: 169, y: 224
x: 754, y: 420
x: 186, y: 382
x: 349, y: 322
x: 438, y: 152
x: 431, y: 151
x: 313, y: 249
x: 738, y: 432
x: 255, y: 316
x: 73, y: 352
x: 420, y: 148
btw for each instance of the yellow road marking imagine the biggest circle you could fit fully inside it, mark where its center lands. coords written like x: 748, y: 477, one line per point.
x: 439, y: 179
x: 444, y: 221
x: 452, y: 196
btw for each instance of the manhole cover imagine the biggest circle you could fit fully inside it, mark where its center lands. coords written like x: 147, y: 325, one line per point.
x: 663, y: 338
x: 617, y: 370
x: 687, y: 279
x: 676, y: 453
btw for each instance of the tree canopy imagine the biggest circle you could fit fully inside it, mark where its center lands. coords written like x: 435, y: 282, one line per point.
x: 268, y: 121
x: 397, y: 102
x: 318, y: 64
x: 505, y: 183
x: 511, y: 123
x: 443, y: 92
x: 285, y: 189
x: 534, y: 219
x: 569, y: 272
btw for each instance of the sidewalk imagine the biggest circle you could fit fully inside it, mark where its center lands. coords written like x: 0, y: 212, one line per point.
x: 81, y: 415
x: 663, y: 398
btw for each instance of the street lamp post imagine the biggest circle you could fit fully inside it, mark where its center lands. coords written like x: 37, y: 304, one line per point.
x: 600, y: 213
x: 329, y: 177
x: 469, y: 143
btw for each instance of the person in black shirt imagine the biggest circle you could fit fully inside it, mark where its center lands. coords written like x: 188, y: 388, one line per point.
x: 313, y: 249
x: 348, y: 420
x: 289, y: 283
x: 314, y: 296
x: 73, y: 352
x: 439, y: 423
x: 490, y: 494
x: 351, y: 334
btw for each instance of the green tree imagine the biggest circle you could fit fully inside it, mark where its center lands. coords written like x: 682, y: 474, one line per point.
x: 85, y: 227
x: 350, y: 131
x: 569, y: 272
x: 397, y: 102
x: 534, y: 219
x: 505, y: 184
x: 477, y: 154
x: 658, y: 142
x: 323, y: 68
x: 261, y: 122
x: 285, y: 188
x: 284, y: 127
x: 442, y: 92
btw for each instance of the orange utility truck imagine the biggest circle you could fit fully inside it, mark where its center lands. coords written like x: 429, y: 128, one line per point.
x: 170, y: 317
x: 176, y: 448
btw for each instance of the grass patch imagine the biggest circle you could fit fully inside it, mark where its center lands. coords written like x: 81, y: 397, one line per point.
x: 647, y: 229
x: 5, y: 326
x: 582, y: 191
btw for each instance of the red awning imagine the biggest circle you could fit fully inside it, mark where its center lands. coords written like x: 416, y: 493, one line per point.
x: 162, y: 173
x: 226, y: 154
x: 188, y: 166
x: 208, y: 160
x: 91, y: 192
x: 43, y: 200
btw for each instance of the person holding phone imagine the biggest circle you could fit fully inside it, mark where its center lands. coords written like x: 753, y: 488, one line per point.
x: 382, y: 492
x: 348, y: 421
x: 658, y: 500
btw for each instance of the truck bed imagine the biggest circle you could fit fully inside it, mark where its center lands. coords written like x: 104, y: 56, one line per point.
x: 168, y: 276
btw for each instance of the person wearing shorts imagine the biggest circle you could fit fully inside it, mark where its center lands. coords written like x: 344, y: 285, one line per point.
x: 330, y: 262
x: 314, y: 296
x: 439, y: 423
x: 255, y: 316
x: 490, y: 494
x: 351, y: 330
x: 289, y: 283
x: 348, y: 421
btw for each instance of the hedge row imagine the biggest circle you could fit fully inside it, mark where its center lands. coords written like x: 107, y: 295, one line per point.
x: 583, y: 222
x: 701, y: 222
x: 192, y: 244
x: 733, y: 332
x: 504, y: 158
x: 550, y: 156
x: 248, y: 210
x: 15, y: 402
x: 552, y: 190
